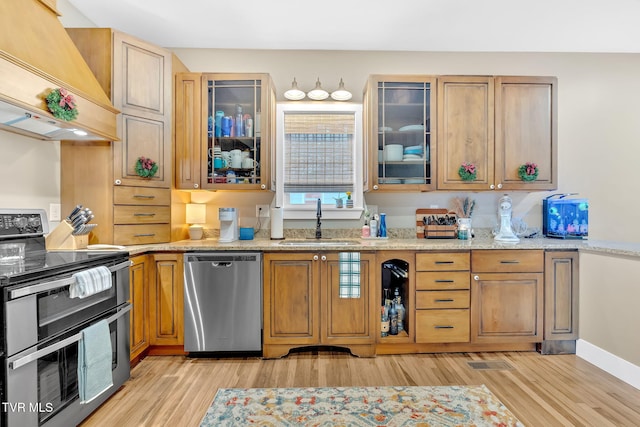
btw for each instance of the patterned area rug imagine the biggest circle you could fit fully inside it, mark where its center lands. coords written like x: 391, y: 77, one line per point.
x: 359, y: 406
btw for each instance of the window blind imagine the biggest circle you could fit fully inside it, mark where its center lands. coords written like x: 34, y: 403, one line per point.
x: 318, y: 152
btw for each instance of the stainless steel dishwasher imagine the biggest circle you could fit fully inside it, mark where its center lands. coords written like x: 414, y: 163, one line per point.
x: 222, y: 301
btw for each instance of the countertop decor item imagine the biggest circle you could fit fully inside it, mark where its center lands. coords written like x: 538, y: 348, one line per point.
x: 146, y: 167
x: 528, y: 171
x: 62, y: 104
x: 467, y: 171
x: 463, y: 207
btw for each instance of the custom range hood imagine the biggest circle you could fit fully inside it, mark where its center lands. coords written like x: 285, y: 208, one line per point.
x: 38, y: 56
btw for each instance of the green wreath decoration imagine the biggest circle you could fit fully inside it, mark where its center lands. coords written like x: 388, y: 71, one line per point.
x: 62, y: 105
x: 528, y: 171
x: 467, y: 171
x: 146, y: 168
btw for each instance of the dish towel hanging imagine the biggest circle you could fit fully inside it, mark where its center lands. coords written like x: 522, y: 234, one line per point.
x: 90, y: 282
x: 349, y: 268
x: 94, y: 361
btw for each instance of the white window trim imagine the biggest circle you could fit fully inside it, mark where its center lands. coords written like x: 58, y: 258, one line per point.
x: 328, y: 212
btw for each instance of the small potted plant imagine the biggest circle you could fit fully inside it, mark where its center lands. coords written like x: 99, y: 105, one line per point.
x: 467, y: 171
x: 339, y: 203
x: 349, y: 200
x: 528, y: 172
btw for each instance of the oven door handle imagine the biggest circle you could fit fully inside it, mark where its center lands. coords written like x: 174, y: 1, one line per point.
x: 62, y: 344
x: 43, y: 287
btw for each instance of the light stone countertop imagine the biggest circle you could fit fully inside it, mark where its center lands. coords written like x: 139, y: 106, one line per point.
x: 266, y: 244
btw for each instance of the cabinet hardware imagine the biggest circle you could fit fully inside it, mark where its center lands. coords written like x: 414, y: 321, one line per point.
x: 144, y: 214
x: 444, y: 262
x: 315, y: 257
x: 443, y: 281
x: 324, y: 258
x: 144, y: 235
x: 476, y: 277
x: 442, y: 327
x: 510, y: 262
x: 445, y: 300
x: 143, y: 196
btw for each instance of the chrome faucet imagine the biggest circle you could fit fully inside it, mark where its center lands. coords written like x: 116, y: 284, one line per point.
x: 318, y: 216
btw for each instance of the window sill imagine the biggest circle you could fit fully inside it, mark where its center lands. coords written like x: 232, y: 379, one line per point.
x: 327, y: 213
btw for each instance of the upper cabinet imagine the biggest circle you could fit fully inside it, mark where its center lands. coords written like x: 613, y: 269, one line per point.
x: 421, y: 129
x: 224, y: 131
x: 497, y: 124
x: 400, y: 122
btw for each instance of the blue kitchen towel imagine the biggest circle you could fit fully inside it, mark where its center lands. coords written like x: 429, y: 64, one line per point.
x: 94, y: 361
x: 90, y: 282
x: 349, y: 268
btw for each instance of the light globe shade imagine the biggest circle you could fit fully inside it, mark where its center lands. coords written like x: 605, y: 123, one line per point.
x: 196, y: 215
x: 341, y: 94
x: 318, y: 94
x: 294, y: 94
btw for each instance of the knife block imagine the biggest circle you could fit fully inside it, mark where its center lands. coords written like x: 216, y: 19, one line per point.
x: 61, y: 239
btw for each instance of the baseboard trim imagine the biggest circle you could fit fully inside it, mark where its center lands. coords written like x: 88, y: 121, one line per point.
x: 616, y: 366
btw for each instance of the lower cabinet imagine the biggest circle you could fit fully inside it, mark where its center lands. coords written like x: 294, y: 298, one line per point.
x: 305, y: 304
x: 442, y: 297
x: 560, y: 302
x: 166, y: 295
x: 507, y: 296
x: 139, y: 298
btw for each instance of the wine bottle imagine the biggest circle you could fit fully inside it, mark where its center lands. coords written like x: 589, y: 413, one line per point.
x: 393, y: 319
x: 401, y: 311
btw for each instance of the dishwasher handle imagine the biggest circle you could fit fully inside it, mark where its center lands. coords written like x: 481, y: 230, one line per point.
x: 221, y: 263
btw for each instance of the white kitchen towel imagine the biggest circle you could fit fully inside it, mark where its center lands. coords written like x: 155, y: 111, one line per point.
x: 94, y: 361
x: 349, y: 269
x: 90, y: 282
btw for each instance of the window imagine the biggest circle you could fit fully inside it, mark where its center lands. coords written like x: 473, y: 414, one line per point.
x: 319, y: 156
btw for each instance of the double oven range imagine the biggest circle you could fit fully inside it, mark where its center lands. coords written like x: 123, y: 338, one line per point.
x: 42, y: 325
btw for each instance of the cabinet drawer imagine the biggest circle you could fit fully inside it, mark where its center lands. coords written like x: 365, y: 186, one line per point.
x: 440, y: 281
x: 507, y: 261
x: 129, y: 214
x: 123, y: 195
x: 442, y: 261
x: 440, y: 326
x: 442, y: 299
x: 141, y: 234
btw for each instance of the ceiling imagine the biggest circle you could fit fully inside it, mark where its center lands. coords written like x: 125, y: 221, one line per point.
x: 408, y: 25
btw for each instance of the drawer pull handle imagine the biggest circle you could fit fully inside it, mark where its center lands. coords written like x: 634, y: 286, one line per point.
x: 144, y: 235
x: 444, y: 281
x: 510, y: 262
x: 143, y: 196
x: 144, y: 214
x: 445, y: 300
x: 444, y: 262
x: 442, y: 327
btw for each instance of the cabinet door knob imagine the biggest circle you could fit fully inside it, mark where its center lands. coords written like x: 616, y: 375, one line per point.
x: 196, y: 185
x: 263, y: 186
x: 476, y: 277
x: 324, y: 258
x: 118, y: 182
x: 500, y: 185
x: 375, y: 187
x: 315, y: 257
x: 492, y: 187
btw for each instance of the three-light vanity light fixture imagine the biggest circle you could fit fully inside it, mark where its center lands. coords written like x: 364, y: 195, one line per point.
x: 317, y: 93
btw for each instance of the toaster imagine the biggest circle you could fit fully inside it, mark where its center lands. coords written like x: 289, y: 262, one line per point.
x: 564, y: 217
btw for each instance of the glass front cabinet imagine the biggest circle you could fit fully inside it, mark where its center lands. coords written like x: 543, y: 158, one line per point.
x: 230, y: 150
x: 400, y: 120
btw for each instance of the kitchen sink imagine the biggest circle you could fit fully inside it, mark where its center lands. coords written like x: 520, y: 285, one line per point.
x: 319, y: 242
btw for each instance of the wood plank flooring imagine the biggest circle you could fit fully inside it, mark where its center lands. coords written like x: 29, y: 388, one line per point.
x: 559, y: 390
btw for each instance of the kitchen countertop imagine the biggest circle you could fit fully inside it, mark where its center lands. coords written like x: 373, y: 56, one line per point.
x: 263, y: 244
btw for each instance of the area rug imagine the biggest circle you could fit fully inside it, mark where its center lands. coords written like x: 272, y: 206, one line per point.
x: 359, y: 406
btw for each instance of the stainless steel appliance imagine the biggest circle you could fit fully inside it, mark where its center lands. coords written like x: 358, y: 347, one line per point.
x: 42, y: 325
x: 223, y: 302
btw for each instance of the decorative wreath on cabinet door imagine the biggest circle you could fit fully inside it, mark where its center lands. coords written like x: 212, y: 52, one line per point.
x: 467, y: 171
x: 528, y: 171
x: 146, y: 168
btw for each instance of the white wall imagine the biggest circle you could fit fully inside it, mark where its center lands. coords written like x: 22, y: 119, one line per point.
x: 598, y: 131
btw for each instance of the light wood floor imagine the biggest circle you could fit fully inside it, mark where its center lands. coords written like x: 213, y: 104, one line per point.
x: 561, y: 390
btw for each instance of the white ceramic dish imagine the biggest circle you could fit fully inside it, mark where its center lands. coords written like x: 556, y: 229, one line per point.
x: 411, y: 127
